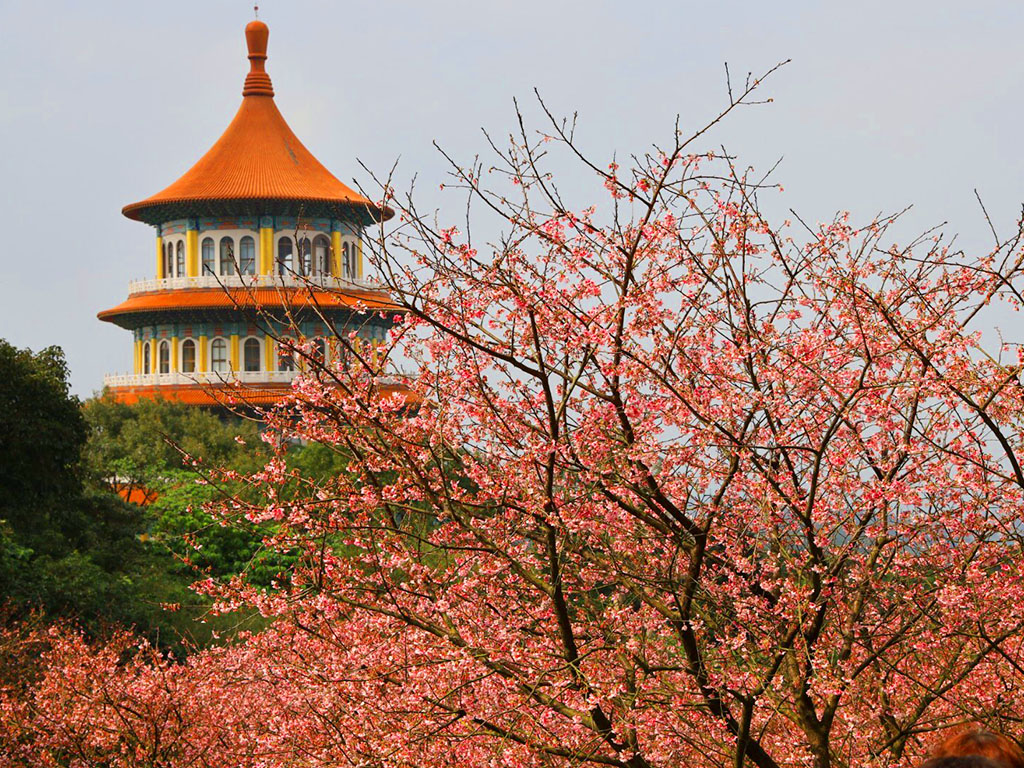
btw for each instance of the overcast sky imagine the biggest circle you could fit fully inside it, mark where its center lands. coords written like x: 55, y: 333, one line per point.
x: 102, y: 103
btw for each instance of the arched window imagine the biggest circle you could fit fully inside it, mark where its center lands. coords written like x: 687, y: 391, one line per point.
x: 188, y: 356
x: 179, y: 268
x: 321, y: 255
x: 227, y: 256
x: 164, y: 352
x: 168, y: 259
x: 284, y: 256
x: 247, y: 256
x: 346, y: 267
x: 319, y: 351
x: 219, y: 356
x: 285, y: 360
x: 145, y: 357
x: 209, y: 257
x: 251, y: 355
x: 342, y: 352
x: 306, y: 256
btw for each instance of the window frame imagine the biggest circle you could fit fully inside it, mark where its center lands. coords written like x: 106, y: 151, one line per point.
x: 226, y: 361
x: 282, y: 354
x: 284, y: 266
x: 305, y: 256
x: 245, y: 355
x: 321, y: 258
x: 208, y: 265
x: 226, y: 261
x: 346, y: 266
x: 247, y: 263
x: 163, y: 357
x: 189, y: 344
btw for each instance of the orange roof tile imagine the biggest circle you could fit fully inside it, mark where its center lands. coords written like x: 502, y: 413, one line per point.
x: 199, y: 394
x: 137, y: 495
x: 228, y: 395
x: 258, y: 158
x: 247, y: 298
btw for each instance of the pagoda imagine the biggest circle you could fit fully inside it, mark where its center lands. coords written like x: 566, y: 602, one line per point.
x: 258, y: 249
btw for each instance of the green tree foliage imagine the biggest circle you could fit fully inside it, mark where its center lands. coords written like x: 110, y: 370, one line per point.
x: 177, y: 455
x: 41, y: 435
x: 71, y: 546
x: 66, y: 547
x: 141, y: 444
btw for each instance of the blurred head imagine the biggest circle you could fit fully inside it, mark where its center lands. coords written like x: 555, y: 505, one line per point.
x: 980, y: 743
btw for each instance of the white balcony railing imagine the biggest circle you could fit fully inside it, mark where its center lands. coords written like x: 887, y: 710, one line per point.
x: 252, y: 281
x: 200, y: 377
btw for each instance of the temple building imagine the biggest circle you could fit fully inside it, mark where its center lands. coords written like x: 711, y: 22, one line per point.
x: 257, y: 245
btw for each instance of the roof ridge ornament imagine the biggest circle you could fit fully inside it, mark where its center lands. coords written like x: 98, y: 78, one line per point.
x: 257, y: 82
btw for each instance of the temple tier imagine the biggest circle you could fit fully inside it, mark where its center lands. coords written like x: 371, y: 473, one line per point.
x: 257, y: 246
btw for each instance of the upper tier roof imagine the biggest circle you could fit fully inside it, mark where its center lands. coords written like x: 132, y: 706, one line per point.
x: 196, y: 301
x: 258, y: 166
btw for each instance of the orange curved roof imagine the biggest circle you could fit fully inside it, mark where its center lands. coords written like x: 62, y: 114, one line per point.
x: 257, y: 159
x: 226, y: 395
x: 190, y: 299
x: 198, y: 394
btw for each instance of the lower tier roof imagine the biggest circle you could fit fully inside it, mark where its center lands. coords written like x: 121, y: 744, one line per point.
x: 141, y: 306
x: 226, y: 395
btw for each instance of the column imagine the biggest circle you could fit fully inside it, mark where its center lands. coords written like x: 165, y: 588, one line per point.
x: 266, y: 245
x: 137, y: 350
x: 192, y: 247
x: 335, y: 248
x: 359, y: 256
x: 174, y: 354
x: 201, y: 364
x: 159, y: 255
x: 233, y: 352
x: 268, y: 354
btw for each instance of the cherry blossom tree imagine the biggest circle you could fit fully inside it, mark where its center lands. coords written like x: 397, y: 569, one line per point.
x: 668, y: 484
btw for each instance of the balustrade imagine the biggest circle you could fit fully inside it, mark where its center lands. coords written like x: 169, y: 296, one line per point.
x: 327, y: 282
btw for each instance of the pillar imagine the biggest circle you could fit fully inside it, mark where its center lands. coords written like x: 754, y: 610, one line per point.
x: 359, y: 257
x: 137, y: 354
x: 268, y: 354
x: 174, y: 354
x: 192, y: 248
x: 160, y: 256
x: 233, y: 353
x: 201, y: 364
x: 335, y: 248
x: 266, y: 245
x: 154, y: 356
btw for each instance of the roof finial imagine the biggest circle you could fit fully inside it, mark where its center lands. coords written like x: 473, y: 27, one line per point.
x: 256, y: 10
x: 257, y: 83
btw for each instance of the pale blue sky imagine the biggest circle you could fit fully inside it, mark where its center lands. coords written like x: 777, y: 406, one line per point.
x: 102, y: 103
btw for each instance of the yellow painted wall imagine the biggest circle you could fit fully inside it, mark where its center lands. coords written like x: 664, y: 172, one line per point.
x: 233, y: 353
x: 160, y: 257
x: 192, y: 253
x: 203, y: 352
